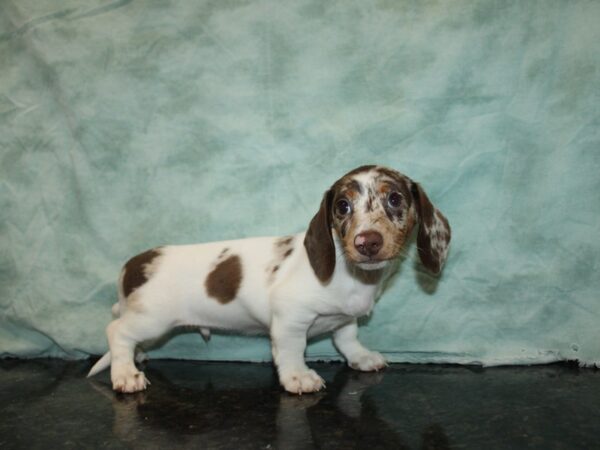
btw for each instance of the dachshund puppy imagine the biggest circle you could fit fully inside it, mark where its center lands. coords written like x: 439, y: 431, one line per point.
x: 292, y: 287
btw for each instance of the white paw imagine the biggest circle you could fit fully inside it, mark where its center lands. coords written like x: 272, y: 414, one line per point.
x: 128, y: 380
x: 299, y: 382
x: 368, y: 361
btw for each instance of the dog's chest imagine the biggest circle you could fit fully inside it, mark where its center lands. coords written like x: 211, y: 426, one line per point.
x: 353, y: 299
x: 359, y: 303
x: 347, y: 307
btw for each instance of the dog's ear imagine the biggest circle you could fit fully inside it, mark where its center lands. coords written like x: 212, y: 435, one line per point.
x: 434, y: 234
x: 319, y: 241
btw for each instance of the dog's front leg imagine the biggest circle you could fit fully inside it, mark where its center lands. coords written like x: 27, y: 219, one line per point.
x: 288, y: 343
x: 358, y: 357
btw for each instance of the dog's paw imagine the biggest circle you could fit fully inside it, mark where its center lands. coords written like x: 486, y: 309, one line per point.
x: 368, y: 361
x: 128, y: 381
x: 302, y: 381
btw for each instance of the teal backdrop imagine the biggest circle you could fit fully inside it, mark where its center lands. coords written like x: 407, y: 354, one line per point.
x: 130, y: 124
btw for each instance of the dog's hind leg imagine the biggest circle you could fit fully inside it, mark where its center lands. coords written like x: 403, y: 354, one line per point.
x: 124, y: 334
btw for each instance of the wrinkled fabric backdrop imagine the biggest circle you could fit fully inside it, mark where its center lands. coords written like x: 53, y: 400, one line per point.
x: 125, y: 125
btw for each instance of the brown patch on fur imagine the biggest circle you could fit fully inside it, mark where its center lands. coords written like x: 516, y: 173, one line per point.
x: 389, y: 173
x: 424, y: 207
x: 351, y: 194
x: 283, y: 248
x: 384, y: 188
x: 429, y: 252
x: 369, y: 206
x: 135, y: 270
x: 284, y: 241
x: 360, y: 169
x: 319, y: 240
x: 343, y: 228
x: 223, y: 282
x: 349, y: 188
x: 411, y: 220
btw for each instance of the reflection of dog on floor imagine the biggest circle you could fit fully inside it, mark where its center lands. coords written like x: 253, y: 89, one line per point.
x: 195, y: 406
x: 291, y: 287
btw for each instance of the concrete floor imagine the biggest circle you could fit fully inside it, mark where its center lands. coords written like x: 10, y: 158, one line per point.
x: 50, y: 404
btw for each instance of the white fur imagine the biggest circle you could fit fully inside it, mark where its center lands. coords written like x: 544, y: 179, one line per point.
x: 292, y: 305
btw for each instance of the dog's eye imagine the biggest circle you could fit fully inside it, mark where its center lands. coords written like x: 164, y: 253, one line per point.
x: 394, y: 200
x: 343, y: 207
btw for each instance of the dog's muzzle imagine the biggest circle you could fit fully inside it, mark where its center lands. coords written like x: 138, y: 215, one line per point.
x: 368, y: 243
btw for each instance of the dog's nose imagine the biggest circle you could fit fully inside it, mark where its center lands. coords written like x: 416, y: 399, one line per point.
x: 368, y: 243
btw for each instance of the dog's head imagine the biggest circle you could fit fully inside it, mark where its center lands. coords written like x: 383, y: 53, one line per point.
x: 372, y: 211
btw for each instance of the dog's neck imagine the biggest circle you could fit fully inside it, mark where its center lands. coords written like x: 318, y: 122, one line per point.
x: 376, y: 276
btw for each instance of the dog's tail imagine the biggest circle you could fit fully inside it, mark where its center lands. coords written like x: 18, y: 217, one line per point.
x: 117, y: 311
x: 102, y: 364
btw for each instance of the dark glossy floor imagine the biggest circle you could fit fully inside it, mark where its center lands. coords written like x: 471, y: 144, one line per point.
x: 50, y: 404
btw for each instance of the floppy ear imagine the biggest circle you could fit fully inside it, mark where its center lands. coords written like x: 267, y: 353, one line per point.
x: 434, y: 234
x: 319, y: 241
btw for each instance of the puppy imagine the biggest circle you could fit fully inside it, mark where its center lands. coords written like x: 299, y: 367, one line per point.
x: 292, y: 287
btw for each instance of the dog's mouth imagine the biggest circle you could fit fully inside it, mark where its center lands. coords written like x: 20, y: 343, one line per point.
x: 373, y: 264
